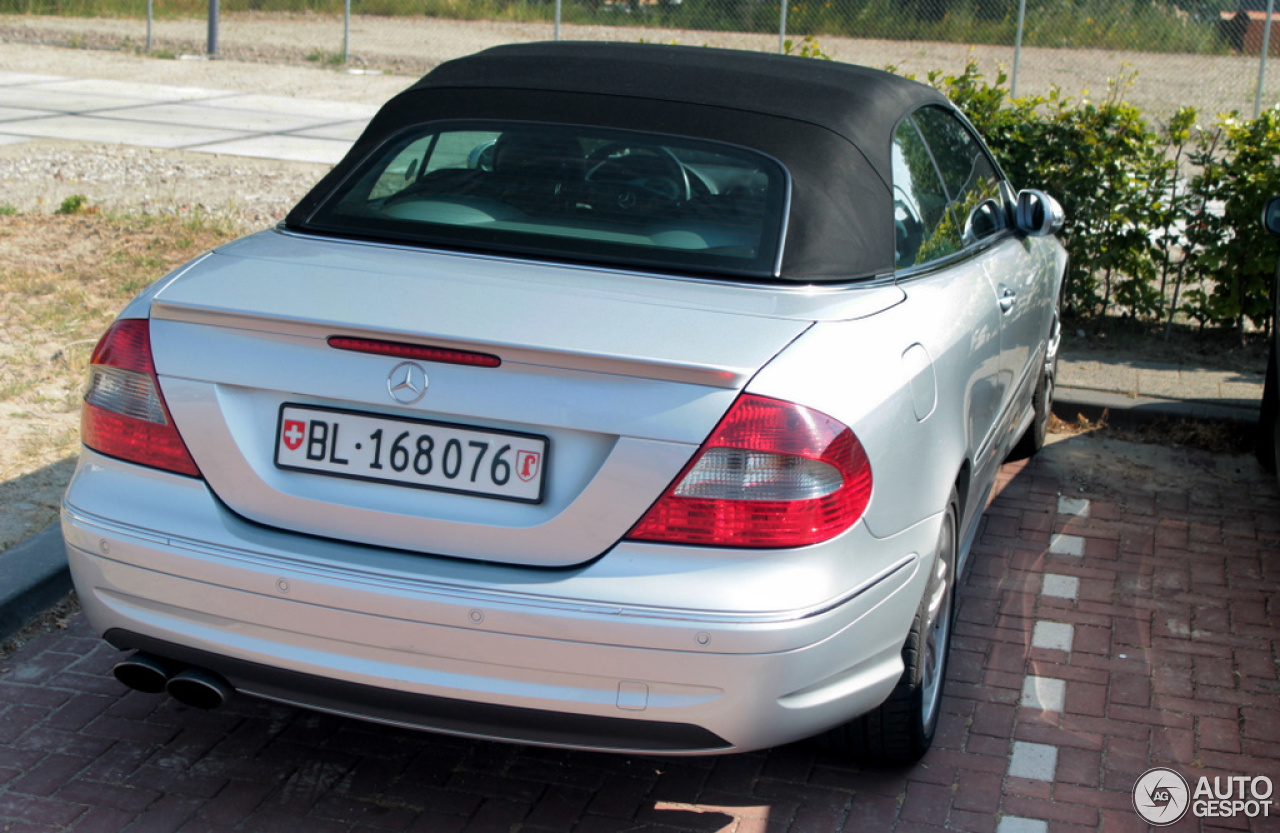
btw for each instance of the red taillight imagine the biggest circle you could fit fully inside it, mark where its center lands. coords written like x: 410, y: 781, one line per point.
x: 772, y: 474
x: 401, y: 350
x: 124, y: 412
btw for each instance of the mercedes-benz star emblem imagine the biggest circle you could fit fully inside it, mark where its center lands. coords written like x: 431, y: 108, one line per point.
x: 407, y: 383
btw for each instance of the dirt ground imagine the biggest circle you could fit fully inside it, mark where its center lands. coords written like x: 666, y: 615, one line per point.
x: 39, y: 398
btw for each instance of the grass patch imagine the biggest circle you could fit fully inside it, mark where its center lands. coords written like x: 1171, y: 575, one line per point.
x: 74, y: 204
x: 326, y: 58
x: 63, y: 278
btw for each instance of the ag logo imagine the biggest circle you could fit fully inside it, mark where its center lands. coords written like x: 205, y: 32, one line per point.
x: 1161, y: 796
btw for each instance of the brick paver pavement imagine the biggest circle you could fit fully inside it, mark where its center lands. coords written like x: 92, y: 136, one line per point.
x: 1119, y: 614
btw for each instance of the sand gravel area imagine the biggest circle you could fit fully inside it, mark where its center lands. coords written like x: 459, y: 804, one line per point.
x: 298, y: 47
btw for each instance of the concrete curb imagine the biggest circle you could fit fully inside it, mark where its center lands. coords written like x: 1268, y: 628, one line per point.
x: 33, y: 576
x: 1068, y: 403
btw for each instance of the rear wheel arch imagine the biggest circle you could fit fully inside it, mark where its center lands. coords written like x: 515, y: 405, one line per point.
x: 962, y: 487
x: 902, y: 728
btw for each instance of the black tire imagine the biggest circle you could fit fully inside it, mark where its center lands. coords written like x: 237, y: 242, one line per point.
x: 1268, y: 445
x: 901, y: 729
x: 1042, y: 397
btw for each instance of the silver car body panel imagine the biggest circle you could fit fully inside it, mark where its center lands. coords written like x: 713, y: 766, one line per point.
x: 918, y: 457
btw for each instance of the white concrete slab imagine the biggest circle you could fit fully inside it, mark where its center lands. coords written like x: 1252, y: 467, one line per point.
x: 335, y: 110
x: 291, y: 148
x: 208, y: 115
x: 1067, y: 545
x: 12, y: 140
x: 116, y: 131
x: 1060, y: 587
x: 347, y: 131
x: 1037, y: 761
x: 60, y: 101
x: 1018, y: 824
x: 1077, y: 506
x: 131, y: 89
x: 7, y: 78
x: 1044, y: 693
x: 17, y: 113
x: 1055, y: 636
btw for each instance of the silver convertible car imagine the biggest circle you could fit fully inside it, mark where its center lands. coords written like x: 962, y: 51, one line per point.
x: 618, y: 397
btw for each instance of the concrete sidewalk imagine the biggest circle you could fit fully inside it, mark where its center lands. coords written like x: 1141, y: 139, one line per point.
x: 178, y: 118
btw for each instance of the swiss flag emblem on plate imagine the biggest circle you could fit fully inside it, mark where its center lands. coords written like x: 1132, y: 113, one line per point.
x: 294, y: 432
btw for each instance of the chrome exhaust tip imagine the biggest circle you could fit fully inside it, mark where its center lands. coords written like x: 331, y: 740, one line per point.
x: 199, y: 688
x: 144, y: 672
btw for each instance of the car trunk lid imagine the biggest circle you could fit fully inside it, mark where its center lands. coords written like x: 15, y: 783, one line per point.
x: 611, y: 381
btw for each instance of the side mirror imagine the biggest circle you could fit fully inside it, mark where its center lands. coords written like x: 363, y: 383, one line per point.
x: 1271, y: 216
x: 1037, y: 214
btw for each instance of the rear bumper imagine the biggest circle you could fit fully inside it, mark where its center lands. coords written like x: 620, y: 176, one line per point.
x: 429, y: 712
x: 554, y: 668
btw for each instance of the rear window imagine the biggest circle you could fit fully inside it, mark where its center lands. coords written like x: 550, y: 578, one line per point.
x: 568, y: 192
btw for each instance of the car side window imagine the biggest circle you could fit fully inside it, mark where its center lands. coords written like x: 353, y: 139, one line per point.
x: 971, y: 179
x: 922, y: 224
x: 403, y: 170
x: 445, y: 151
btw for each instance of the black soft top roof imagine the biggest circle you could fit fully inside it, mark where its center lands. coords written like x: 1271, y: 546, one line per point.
x: 829, y: 123
x: 863, y: 105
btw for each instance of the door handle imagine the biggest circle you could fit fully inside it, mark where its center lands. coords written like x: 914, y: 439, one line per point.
x: 1007, y: 297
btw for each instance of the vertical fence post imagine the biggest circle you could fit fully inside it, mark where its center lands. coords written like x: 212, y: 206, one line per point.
x: 150, y: 17
x: 1262, y: 61
x: 782, y: 27
x: 346, y: 32
x: 1017, y: 48
x: 558, y: 3
x: 213, y: 27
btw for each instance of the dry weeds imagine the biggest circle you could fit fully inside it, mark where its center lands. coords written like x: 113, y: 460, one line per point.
x: 1215, y: 437
x: 62, y: 280
x: 55, y: 619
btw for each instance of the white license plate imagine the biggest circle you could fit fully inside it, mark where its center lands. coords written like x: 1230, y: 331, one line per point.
x: 412, y: 452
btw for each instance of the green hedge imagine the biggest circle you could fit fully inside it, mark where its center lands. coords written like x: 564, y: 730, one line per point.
x: 1161, y: 220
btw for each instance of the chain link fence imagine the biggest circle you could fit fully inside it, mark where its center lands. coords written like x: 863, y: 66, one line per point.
x: 1165, y: 54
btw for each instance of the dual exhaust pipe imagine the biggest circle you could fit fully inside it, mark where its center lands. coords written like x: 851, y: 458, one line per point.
x: 196, y: 687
